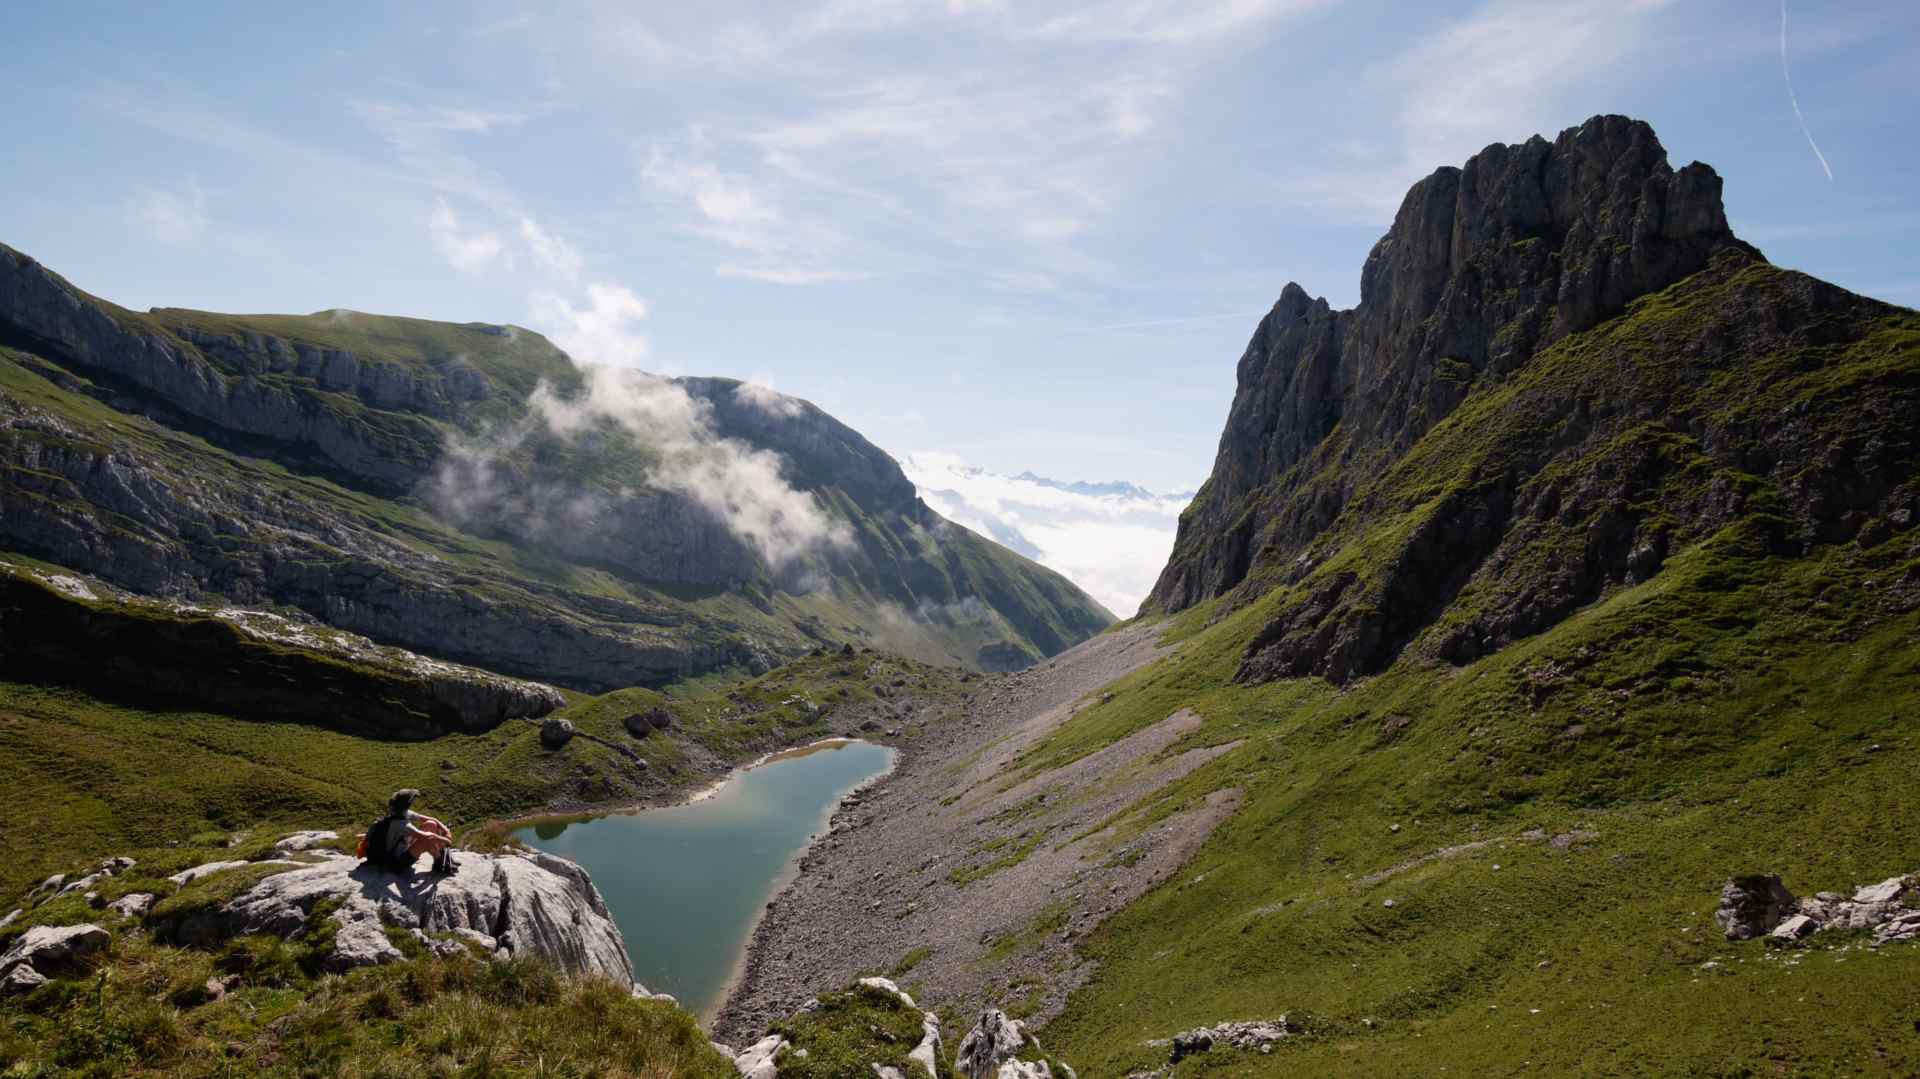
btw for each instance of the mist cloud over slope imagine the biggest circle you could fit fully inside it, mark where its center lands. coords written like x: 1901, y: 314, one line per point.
x: 743, y: 485
x: 1110, y: 539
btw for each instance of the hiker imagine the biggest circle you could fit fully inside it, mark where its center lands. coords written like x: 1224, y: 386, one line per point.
x: 402, y: 836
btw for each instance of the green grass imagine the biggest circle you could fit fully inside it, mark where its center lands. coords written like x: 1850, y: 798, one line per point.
x: 1750, y: 707
x: 1740, y: 712
x: 144, y: 1009
x: 93, y: 779
x: 848, y: 1033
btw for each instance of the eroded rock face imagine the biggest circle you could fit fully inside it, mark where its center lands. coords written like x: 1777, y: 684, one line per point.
x: 1536, y: 506
x: 523, y: 903
x: 1753, y: 906
x: 249, y: 662
x: 993, y: 1041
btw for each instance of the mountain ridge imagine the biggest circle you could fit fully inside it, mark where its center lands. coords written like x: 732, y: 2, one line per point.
x: 1487, y: 270
x: 467, y: 491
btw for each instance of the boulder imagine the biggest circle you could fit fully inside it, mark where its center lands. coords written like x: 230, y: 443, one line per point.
x: 134, y: 905
x: 993, y: 1041
x: 1887, y: 891
x: 520, y: 903
x: 1794, y: 928
x: 300, y: 841
x: 1751, y: 906
x: 45, y: 948
x: 556, y: 733
x: 927, y: 1053
x: 756, y: 1061
x: 641, y: 724
x: 1024, y: 1069
x: 12, y: 918
x: 21, y: 979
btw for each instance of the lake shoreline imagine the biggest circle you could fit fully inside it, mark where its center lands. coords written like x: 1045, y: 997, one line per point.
x: 727, y: 878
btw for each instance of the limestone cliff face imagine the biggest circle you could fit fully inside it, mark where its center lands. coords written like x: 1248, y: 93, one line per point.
x: 1482, y: 426
x: 350, y: 466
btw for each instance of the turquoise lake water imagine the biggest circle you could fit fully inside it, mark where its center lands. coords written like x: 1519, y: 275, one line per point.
x: 686, y: 884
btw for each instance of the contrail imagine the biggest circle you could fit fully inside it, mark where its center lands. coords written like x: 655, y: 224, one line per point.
x: 1791, y: 96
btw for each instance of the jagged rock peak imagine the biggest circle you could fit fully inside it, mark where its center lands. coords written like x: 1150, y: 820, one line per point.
x: 1484, y: 266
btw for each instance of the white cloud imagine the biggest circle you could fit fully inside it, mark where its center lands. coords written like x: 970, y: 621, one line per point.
x: 174, y: 216
x: 602, y: 332
x: 1111, y: 540
x: 550, y: 252
x: 786, y: 275
x: 1527, y: 59
x: 1170, y: 21
x: 758, y: 392
x: 733, y: 211
x: 745, y: 486
x: 467, y: 252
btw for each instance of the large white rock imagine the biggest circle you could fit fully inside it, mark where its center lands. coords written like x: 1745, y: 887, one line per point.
x: 134, y: 905
x: 21, y: 979
x: 529, y: 904
x: 300, y: 841
x: 46, y: 946
x: 885, y: 985
x: 1794, y: 928
x: 756, y: 1061
x: 927, y: 1053
x: 1884, y: 892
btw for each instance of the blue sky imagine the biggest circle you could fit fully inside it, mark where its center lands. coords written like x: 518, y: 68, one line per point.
x: 1030, y: 235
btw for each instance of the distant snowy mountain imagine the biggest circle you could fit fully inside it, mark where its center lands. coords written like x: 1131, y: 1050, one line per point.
x: 1110, y: 538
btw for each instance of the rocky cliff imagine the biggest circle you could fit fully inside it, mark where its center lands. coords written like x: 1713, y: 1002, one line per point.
x: 397, y: 478
x: 55, y: 627
x: 1562, y: 368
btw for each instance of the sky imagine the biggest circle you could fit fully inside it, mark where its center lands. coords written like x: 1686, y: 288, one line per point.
x: 1023, y: 236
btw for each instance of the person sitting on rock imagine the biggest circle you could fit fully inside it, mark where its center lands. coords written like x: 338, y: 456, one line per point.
x: 402, y: 836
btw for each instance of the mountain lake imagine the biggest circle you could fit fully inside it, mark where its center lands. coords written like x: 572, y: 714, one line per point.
x: 687, y: 883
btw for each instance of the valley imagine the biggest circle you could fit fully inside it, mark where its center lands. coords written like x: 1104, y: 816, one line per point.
x: 1531, y: 688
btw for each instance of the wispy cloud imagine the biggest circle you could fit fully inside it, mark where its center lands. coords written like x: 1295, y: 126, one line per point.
x: 745, y: 216
x: 172, y: 215
x: 467, y: 251
x: 1169, y: 21
x: 550, y: 252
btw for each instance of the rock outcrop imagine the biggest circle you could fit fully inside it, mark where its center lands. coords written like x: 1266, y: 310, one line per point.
x: 44, y: 950
x: 1584, y: 295
x: 1758, y: 905
x: 523, y: 903
x: 1751, y: 906
x: 248, y: 662
x: 1259, y: 1036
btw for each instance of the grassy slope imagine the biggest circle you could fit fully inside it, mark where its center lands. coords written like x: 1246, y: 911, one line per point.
x: 93, y: 778
x: 149, y: 1014
x: 1739, y: 712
